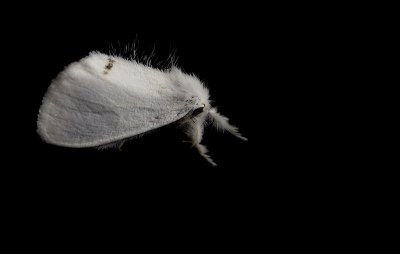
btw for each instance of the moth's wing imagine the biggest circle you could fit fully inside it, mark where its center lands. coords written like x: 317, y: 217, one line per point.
x: 103, y: 99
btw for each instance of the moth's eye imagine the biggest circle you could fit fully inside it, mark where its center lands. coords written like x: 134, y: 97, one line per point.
x: 197, y: 111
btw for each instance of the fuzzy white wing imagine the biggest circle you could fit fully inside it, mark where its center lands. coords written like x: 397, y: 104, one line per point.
x: 102, y: 99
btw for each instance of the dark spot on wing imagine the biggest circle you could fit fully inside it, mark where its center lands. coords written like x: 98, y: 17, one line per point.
x: 109, y: 65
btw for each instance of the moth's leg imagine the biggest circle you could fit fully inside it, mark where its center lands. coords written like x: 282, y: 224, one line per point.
x: 221, y: 123
x: 119, y: 145
x: 194, y: 130
x: 118, y: 148
x: 203, y: 152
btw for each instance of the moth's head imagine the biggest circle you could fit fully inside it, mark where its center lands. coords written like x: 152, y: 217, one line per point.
x: 197, y: 91
x: 191, y: 84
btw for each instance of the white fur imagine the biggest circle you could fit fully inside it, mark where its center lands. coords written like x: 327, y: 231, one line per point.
x: 102, y: 100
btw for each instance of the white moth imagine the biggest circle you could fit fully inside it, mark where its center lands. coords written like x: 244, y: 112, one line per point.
x: 103, y: 100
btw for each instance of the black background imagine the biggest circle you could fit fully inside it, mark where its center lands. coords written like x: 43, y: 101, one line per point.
x: 251, y: 78
x: 263, y: 70
x: 251, y: 70
x: 213, y: 60
x: 246, y: 71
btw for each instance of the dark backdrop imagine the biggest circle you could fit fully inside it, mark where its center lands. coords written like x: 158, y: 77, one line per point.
x: 261, y: 71
x: 252, y: 75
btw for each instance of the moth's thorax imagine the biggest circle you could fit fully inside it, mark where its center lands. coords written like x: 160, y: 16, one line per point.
x: 191, y: 85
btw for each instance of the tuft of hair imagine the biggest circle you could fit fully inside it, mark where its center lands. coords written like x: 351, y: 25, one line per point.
x: 190, y: 82
x: 203, y: 152
x: 221, y: 123
x: 131, y: 51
